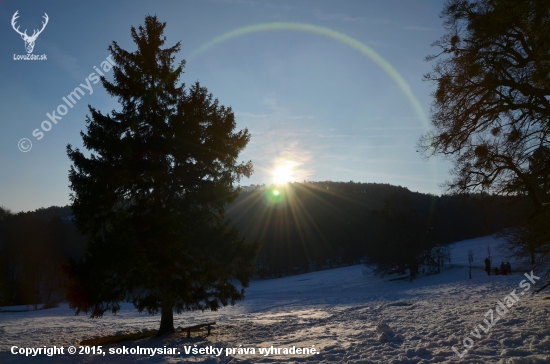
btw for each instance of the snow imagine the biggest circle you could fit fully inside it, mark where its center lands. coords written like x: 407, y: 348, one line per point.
x: 347, y: 315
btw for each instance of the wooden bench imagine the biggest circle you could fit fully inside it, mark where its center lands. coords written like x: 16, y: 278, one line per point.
x: 196, y: 327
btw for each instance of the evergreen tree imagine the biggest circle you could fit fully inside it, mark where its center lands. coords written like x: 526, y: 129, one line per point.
x: 152, y: 194
x: 404, y: 241
x: 5, y: 292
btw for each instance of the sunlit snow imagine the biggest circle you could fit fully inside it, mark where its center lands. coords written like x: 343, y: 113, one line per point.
x: 348, y: 314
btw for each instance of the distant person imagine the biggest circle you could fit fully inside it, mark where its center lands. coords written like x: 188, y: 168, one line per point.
x: 488, y: 266
x: 503, y: 268
x: 508, y: 267
x: 496, y: 271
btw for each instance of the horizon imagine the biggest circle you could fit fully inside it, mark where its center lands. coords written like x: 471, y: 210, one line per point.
x: 263, y: 185
x: 277, y: 187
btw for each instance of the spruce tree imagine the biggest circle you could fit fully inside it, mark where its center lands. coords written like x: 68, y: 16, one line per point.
x: 151, y: 195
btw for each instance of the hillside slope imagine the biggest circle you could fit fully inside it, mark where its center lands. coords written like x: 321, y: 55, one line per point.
x: 339, y: 311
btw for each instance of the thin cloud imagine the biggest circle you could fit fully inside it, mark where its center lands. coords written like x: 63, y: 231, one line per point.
x: 297, y: 117
x: 394, y: 128
x: 249, y: 2
x: 252, y: 115
x: 338, y: 16
x: 355, y: 136
x: 387, y: 146
x: 421, y: 29
x: 66, y: 61
x: 265, y: 116
x: 334, y: 136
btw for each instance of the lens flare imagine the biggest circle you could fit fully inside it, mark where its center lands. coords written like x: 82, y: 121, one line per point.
x: 276, y: 197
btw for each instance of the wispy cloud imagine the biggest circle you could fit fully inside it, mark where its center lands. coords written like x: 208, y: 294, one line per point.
x: 281, y: 138
x: 252, y: 115
x: 334, y: 136
x: 356, y: 135
x: 276, y: 112
x: 321, y: 15
x: 419, y: 28
x: 249, y: 2
x: 337, y: 16
x: 66, y: 61
x: 394, y: 128
x: 264, y: 116
x: 396, y: 146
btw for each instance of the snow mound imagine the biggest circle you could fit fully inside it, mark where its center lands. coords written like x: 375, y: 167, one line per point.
x: 398, y: 304
x: 531, y: 360
x: 385, y: 332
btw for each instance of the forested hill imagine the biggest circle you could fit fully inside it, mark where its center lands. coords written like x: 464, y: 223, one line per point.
x: 314, y: 224
x: 304, y: 226
x: 33, y: 245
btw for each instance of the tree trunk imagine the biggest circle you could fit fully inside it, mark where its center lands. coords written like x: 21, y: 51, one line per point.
x: 166, y: 318
x: 413, y: 269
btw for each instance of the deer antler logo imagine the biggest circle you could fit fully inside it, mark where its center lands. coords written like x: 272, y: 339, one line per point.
x: 29, y: 41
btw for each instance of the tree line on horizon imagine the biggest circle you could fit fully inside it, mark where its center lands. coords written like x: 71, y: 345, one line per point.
x: 310, y: 226
x: 33, y: 247
x: 319, y: 225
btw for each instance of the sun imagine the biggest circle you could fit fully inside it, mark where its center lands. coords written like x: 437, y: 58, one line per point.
x: 282, y: 174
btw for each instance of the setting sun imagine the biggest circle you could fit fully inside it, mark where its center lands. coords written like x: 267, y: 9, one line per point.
x: 282, y: 175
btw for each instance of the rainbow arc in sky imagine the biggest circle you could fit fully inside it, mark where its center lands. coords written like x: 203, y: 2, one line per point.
x: 332, y: 34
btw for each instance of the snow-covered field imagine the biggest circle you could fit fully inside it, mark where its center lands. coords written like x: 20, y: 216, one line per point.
x: 346, y: 314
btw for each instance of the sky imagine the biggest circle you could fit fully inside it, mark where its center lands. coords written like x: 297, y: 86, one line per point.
x: 329, y: 90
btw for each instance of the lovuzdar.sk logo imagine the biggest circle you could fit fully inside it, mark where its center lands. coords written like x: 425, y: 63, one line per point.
x: 29, y: 40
